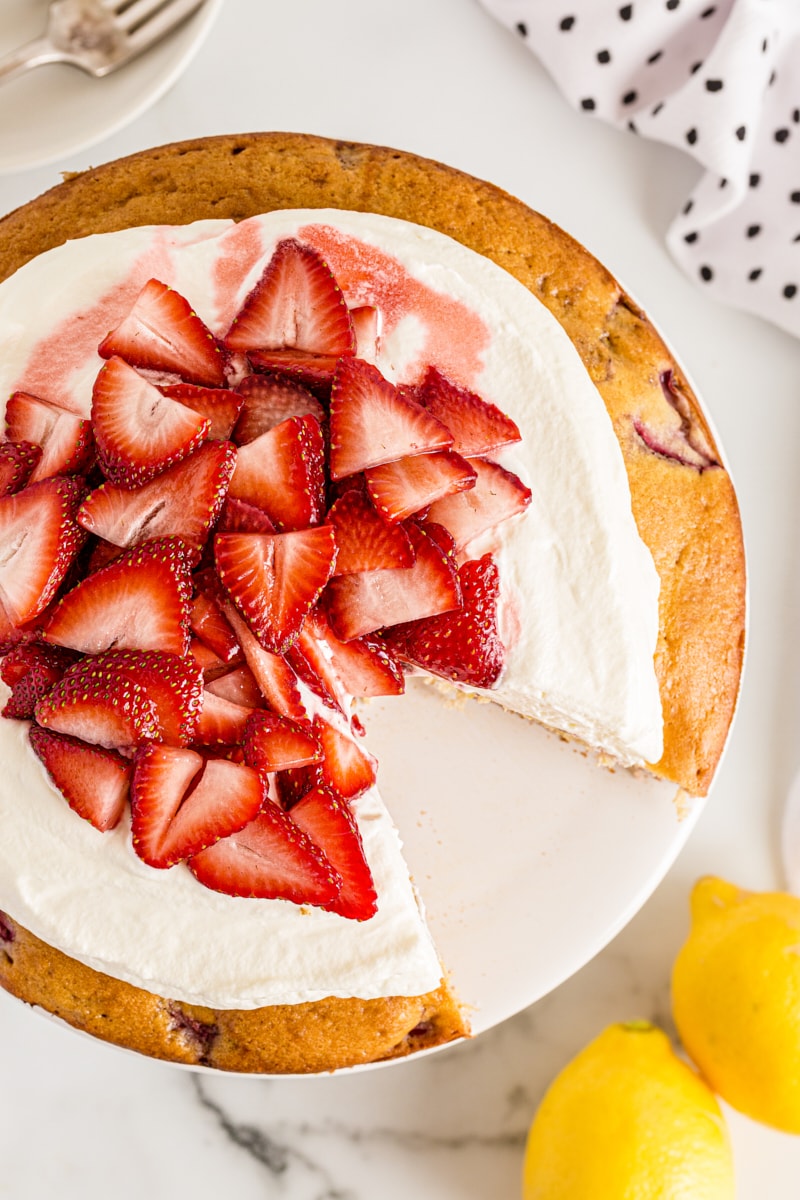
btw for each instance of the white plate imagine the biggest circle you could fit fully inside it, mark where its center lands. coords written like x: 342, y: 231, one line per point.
x: 56, y: 110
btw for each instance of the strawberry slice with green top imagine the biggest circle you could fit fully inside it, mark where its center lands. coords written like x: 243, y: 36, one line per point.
x: 273, y: 743
x: 400, y: 489
x: 66, y: 442
x: 462, y: 646
x: 361, y: 603
x: 141, y: 601
x: 276, y: 680
x: 268, y: 400
x: 296, y: 304
x: 282, y: 472
x: 163, y: 333
x: 477, y: 426
x: 270, y: 859
x: 274, y: 579
x: 183, y: 502
x: 497, y: 496
x: 139, y: 431
x: 220, y: 405
x: 373, y: 422
x: 329, y: 822
x: 365, y: 540
x: 94, y: 782
x: 18, y: 461
x: 345, y: 767
x: 39, y: 538
x: 182, y: 803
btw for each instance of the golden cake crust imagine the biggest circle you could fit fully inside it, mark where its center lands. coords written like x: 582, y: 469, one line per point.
x: 686, y: 514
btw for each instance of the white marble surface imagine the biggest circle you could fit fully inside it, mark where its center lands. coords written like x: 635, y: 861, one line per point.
x: 438, y: 77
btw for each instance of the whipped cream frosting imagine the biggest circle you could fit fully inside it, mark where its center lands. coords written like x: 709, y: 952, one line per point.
x: 578, y: 614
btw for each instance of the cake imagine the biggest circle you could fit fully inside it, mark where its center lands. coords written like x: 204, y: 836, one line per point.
x: 648, y: 578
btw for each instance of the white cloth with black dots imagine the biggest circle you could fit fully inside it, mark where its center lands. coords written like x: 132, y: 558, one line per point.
x: 718, y: 80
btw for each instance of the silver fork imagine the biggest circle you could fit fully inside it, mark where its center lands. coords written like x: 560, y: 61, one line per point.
x: 98, y: 35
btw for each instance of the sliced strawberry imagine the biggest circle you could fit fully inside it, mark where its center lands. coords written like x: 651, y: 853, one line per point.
x: 296, y: 303
x: 330, y: 824
x: 292, y: 783
x: 400, y: 489
x: 183, y: 502
x: 345, y: 767
x: 271, y: 859
x: 464, y: 646
x: 276, y: 680
x: 477, y: 426
x: 221, y: 721
x: 94, y: 782
x: 181, y: 802
x: 139, y: 432
x: 221, y: 406
x: 268, y: 400
x: 65, y: 439
x: 209, y: 624
x: 39, y: 538
x: 174, y: 683
x: 365, y: 541
x: 373, y: 422
x: 240, y: 517
x: 275, y: 578
x: 33, y: 670
x: 497, y: 495
x: 209, y: 663
x: 238, y: 686
x: 313, y: 371
x: 141, y: 601
x: 370, y: 600
x: 273, y: 743
x: 283, y: 472
x: 361, y: 667
x: 162, y: 333
x: 368, y: 326
x: 105, y: 708
x: 18, y: 460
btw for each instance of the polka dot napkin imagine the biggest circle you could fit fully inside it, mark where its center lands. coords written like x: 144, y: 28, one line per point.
x: 722, y: 82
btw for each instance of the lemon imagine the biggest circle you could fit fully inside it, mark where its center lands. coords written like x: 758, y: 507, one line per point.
x: 628, y: 1120
x: 736, y: 998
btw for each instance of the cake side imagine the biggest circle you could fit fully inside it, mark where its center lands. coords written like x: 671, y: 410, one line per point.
x: 684, y: 503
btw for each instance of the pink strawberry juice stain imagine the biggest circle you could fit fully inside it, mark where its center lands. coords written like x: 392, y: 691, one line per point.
x: 240, y: 249
x: 456, y: 338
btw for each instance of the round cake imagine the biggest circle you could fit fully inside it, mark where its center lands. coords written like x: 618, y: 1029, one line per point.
x: 387, y: 218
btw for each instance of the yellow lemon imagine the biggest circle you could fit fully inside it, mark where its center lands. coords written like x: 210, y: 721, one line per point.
x: 627, y: 1120
x: 736, y: 998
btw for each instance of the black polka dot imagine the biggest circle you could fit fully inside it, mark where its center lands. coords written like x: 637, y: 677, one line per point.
x: 772, y: 78
x: 566, y: 23
x: 723, y: 182
x: 706, y: 274
x: 657, y: 108
x: 632, y: 127
x: 765, y: 45
x: 796, y: 237
x: 522, y: 29
x: 755, y: 179
x: 626, y: 12
x: 687, y: 208
x: 587, y: 104
x: 754, y: 274
x: 782, y: 135
x: 695, y: 68
x: 790, y: 291
x: 655, y: 57
x: 753, y: 230
x: 794, y: 197
x: 691, y: 136
x: 604, y: 56
x: 713, y: 85
x: 691, y: 237
x: 796, y: 115
x: 630, y: 97
x: 708, y: 12
x: 672, y: 4
x: 741, y: 132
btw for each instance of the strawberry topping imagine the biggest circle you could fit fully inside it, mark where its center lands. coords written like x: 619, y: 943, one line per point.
x: 220, y: 406
x: 400, y: 489
x: 477, y: 426
x: 365, y: 541
x: 498, y: 494
x: 94, y: 782
x: 273, y: 743
x: 17, y: 462
x: 269, y: 399
x: 283, y: 472
x: 329, y: 822
x: 64, y: 438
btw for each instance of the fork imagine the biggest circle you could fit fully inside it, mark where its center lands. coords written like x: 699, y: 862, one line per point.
x: 98, y: 35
